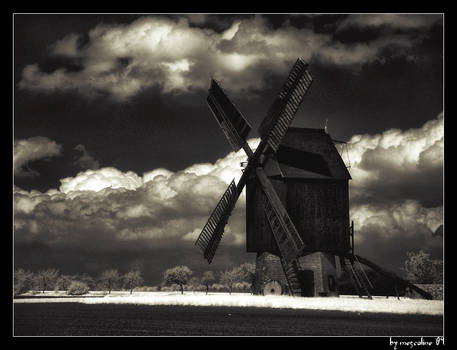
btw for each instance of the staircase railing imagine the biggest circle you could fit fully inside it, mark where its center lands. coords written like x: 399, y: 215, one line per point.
x: 356, y: 278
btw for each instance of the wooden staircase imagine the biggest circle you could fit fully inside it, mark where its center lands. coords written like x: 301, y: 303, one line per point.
x: 287, y: 247
x: 286, y: 236
x: 293, y: 282
x: 357, y: 274
x: 396, y: 279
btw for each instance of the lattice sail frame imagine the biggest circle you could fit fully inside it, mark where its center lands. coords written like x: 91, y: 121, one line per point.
x: 212, y: 232
x: 283, y: 109
x: 235, y: 127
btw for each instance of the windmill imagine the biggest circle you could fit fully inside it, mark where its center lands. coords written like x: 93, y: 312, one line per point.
x: 290, y: 168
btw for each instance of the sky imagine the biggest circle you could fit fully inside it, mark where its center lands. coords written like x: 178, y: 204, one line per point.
x: 118, y: 161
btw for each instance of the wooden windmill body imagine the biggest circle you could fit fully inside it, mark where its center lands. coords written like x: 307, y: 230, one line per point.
x: 297, y: 205
x: 311, y: 181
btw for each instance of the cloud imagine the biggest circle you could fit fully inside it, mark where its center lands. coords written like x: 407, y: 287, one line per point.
x: 405, y: 218
x: 32, y: 149
x: 398, y: 164
x: 97, y: 180
x: 157, y: 215
x: 121, y: 60
x: 197, y: 18
x: 398, y: 21
x: 359, y: 53
x: 68, y: 46
x: 85, y: 160
x: 396, y: 191
x: 105, y: 216
x: 385, y: 232
x: 439, y: 231
x: 118, y: 208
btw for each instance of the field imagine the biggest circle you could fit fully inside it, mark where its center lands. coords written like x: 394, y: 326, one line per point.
x: 152, y: 314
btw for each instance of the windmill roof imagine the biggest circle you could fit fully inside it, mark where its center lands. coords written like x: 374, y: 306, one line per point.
x: 307, y: 153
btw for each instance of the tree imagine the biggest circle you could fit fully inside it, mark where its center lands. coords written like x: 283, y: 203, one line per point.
x: 63, y: 282
x: 229, y: 277
x: 420, y: 268
x: 132, y: 279
x: 194, y: 283
x: 77, y: 288
x: 246, y: 273
x: 46, y: 279
x: 23, y: 281
x: 207, y: 279
x: 109, y: 279
x: 85, y: 278
x: 177, y: 275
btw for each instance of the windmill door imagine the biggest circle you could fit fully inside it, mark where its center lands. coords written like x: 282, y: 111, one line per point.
x: 306, y: 278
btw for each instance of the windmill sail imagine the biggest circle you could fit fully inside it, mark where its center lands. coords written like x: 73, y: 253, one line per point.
x: 229, y: 118
x: 283, y: 109
x: 212, y: 232
x: 287, y: 238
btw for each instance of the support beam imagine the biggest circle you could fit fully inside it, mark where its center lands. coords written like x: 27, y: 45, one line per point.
x: 397, y: 279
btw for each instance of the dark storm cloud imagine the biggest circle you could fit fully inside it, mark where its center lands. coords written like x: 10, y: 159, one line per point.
x: 179, y: 57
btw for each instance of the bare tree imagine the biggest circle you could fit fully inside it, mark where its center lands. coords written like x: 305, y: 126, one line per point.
x: 132, y: 279
x: 228, y: 278
x: 194, y: 283
x: 88, y: 280
x: 77, y: 288
x: 420, y: 268
x: 207, y: 279
x: 63, y: 282
x: 23, y: 281
x: 109, y: 279
x: 246, y: 273
x: 177, y: 275
x: 46, y: 279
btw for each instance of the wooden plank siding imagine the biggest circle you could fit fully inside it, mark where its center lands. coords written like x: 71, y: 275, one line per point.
x: 259, y: 237
x: 318, y: 208
x: 311, y: 181
x: 320, y: 211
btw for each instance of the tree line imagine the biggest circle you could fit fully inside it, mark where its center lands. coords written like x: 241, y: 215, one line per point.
x: 51, y: 279
x: 418, y: 268
x: 239, y: 278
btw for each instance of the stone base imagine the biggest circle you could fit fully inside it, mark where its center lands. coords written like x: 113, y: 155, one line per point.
x: 268, y: 269
x: 318, y: 272
x: 321, y: 271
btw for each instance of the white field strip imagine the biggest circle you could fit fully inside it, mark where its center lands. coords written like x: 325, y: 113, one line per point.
x: 343, y: 303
